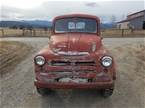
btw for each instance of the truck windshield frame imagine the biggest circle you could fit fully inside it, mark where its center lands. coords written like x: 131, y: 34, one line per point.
x: 75, y: 24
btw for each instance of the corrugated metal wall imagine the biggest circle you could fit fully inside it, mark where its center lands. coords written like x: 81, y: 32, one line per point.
x: 137, y: 23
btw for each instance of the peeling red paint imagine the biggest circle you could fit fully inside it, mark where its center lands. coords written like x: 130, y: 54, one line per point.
x: 73, y: 66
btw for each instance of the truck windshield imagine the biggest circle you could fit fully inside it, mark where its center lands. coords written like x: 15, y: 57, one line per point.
x: 85, y: 25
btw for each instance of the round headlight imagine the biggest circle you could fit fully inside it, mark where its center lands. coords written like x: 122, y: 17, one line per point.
x: 39, y: 60
x: 107, y: 61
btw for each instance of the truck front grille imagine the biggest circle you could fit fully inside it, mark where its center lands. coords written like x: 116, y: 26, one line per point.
x: 72, y: 63
x: 85, y: 63
x: 60, y: 63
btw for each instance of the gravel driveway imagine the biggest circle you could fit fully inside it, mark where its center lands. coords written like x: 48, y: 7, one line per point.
x: 18, y: 91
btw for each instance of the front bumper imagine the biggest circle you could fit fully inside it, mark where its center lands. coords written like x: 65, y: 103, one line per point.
x: 72, y: 85
x: 100, y: 80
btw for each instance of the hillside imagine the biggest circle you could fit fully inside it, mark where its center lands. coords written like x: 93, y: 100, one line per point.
x: 23, y: 23
x: 39, y: 24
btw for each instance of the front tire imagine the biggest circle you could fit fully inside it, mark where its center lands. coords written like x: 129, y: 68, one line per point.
x: 44, y: 91
x: 107, y: 92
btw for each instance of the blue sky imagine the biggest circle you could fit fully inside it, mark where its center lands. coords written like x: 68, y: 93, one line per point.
x: 48, y: 9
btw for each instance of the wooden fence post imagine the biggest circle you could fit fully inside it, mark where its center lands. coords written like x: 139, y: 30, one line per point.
x: 2, y: 32
x: 132, y: 30
x: 23, y: 32
x: 31, y: 32
x: 122, y: 32
x: 34, y: 32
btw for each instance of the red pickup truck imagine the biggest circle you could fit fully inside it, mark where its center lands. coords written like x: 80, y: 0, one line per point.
x: 75, y: 57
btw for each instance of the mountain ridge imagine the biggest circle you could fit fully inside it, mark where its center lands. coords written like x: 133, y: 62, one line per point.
x: 38, y: 24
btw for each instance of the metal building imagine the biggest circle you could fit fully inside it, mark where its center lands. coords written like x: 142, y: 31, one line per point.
x: 133, y: 21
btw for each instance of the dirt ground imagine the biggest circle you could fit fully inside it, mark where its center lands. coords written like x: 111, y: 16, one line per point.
x: 11, y: 53
x: 17, y: 89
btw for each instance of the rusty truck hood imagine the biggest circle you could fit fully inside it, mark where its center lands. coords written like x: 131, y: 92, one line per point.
x: 77, y: 42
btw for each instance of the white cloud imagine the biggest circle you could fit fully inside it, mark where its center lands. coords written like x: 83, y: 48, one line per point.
x: 46, y: 9
x: 23, y: 4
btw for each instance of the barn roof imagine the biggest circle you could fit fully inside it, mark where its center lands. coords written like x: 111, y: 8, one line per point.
x: 129, y: 19
x: 136, y: 13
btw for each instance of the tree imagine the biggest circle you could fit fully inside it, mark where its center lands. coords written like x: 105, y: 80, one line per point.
x: 14, y: 27
x: 21, y: 27
x: 113, y: 19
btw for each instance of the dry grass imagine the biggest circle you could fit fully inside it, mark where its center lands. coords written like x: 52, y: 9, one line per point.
x: 130, y: 60
x: 11, y: 32
x: 124, y: 33
x: 41, y: 32
x: 11, y: 53
x: 6, y: 32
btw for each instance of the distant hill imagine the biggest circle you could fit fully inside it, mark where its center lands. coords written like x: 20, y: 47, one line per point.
x: 107, y: 25
x: 32, y: 23
x: 39, y: 24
